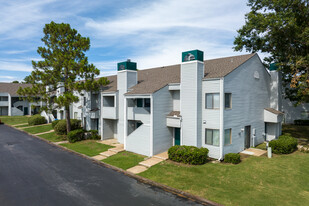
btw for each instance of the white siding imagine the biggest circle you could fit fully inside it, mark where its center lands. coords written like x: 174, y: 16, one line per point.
x: 125, y: 80
x: 211, y: 116
x: 176, y: 100
x: 249, y: 98
x: 162, y: 135
x: 139, y: 140
x: 191, y: 102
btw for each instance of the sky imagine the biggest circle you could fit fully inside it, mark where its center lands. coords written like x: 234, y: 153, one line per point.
x: 152, y: 33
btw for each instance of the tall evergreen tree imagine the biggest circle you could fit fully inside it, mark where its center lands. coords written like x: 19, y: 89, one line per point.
x: 65, y: 65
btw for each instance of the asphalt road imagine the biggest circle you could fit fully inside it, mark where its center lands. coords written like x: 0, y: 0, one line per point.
x: 33, y: 172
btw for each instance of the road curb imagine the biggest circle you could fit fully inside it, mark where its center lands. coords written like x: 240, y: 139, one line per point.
x: 166, y: 188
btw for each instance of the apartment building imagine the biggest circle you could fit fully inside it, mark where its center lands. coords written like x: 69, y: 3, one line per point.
x: 226, y: 105
x: 11, y: 104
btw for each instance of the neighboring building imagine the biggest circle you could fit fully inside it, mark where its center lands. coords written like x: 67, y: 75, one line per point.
x: 12, y: 105
x: 226, y: 105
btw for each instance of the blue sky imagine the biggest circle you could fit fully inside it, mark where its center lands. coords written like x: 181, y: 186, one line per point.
x: 150, y: 32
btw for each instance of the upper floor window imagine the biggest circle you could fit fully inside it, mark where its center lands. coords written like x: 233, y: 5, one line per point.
x: 212, y: 101
x: 228, y: 100
x: 108, y: 101
x: 84, y: 101
x: 4, y: 98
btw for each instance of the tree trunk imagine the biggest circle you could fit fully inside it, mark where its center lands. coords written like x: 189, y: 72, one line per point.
x: 67, y: 117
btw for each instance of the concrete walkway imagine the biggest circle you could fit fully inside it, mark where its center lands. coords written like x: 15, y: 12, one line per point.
x: 254, y: 152
x: 33, y: 126
x: 110, y: 152
x: 50, y: 131
x: 61, y: 142
x: 15, y: 125
x: 144, y: 165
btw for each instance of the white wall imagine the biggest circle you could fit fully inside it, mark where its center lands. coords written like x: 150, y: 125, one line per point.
x: 125, y: 80
x: 191, y: 102
x: 139, y: 141
x: 211, y: 116
x: 249, y: 98
x: 162, y: 135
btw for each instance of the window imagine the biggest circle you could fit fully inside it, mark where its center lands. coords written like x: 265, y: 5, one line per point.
x: 212, y: 137
x: 228, y: 100
x: 108, y: 101
x: 4, y: 98
x: 305, y: 115
x: 227, y: 136
x: 139, y: 102
x: 84, y: 101
x: 147, y: 102
x: 75, y: 115
x: 212, y: 101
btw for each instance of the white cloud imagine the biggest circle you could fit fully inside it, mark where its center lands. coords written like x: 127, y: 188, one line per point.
x: 156, y: 33
x: 13, y: 66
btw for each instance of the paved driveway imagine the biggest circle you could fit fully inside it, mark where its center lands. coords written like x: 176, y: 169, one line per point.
x: 33, y: 172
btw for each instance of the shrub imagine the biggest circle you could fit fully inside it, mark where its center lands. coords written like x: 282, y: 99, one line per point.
x: 54, y: 123
x: 94, y: 135
x: 76, y: 135
x: 61, y: 126
x: 232, y: 158
x: 36, y: 120
x: 283, y: 145
x: 188, y: 154
x: 301, y: 122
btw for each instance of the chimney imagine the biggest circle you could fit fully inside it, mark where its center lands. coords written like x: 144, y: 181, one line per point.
x: 192, y: 73
x: 126, y: 78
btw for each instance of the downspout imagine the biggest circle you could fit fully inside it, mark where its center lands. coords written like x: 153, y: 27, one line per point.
x: 221, y: 118
x: 125, y: 122
x: 151, y: 125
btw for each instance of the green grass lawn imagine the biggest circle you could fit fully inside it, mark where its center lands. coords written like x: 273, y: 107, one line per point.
x: 281, y: 180
x: 124, y: 160
x: 88, y: 147
x: 53, y: 137
x: 14, y: 119
x: 261, y: 146
x: 38, y: 129
x: 296, y: 131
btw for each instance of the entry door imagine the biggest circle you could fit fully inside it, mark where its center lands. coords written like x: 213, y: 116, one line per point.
x: 177, y: 136
x: 247, y: 136
x: 25, y: 110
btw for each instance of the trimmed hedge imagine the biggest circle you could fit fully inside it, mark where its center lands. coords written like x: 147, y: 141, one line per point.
x: 232, y: 158
x: 301, y: 122
x: 283, y: 145
x: 76, y: 135
x: 188, y: 154
x: 36, y: 120
x: 54, y: 123
x: 61, y: 126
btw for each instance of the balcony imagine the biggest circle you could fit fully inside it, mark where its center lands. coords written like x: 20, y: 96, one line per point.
x: 173, y: 119
x: 110, y: 112
x: 4, y: 103
x: 94, y: 113
x: 139, y: 113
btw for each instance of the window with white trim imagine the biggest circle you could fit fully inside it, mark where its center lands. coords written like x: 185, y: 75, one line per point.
x: 212, y: 137
x: 212, y: 100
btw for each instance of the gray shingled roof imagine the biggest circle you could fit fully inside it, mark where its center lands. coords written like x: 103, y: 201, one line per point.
x: 12, y: 88
x: 274, y: 111
x: 151, y: 80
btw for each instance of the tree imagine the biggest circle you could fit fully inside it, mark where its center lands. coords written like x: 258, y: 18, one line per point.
x: 15, y: 81
x: 65, y: 66
x: 280, y: 28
